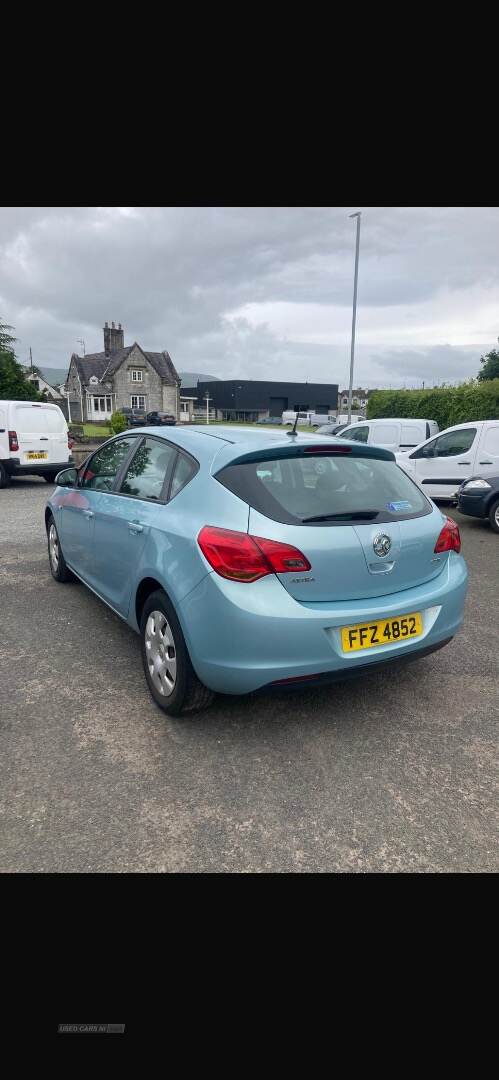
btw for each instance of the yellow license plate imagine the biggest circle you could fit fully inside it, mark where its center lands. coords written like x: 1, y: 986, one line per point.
x: 381, y: 632
x: 32, y: 455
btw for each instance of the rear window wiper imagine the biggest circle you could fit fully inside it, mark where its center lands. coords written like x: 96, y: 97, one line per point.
x: 357, y: 515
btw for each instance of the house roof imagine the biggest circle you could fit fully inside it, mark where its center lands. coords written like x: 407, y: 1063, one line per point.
x: 104, y: 366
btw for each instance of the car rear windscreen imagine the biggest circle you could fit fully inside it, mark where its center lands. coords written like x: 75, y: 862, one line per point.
x: 326, y: 490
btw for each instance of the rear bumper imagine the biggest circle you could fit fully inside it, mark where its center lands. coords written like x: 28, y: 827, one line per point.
x: 241, y: 638
x: 35, y: 468
x: 360, y: 669
x: 473, y: 505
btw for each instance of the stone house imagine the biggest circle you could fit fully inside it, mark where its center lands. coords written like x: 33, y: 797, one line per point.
x: 99, y: 383
x: 359, y: 396
x: 43, y: 387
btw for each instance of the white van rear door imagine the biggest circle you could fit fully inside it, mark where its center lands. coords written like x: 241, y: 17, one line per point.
x: 57, y: 435
x: 29, y: 426
x: 487, y: 459
x: 41, y: 434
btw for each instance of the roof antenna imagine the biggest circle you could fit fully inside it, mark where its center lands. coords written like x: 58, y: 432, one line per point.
x: 292, y: 434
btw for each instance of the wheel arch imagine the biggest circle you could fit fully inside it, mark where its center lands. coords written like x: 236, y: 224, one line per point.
x: 144, y: 589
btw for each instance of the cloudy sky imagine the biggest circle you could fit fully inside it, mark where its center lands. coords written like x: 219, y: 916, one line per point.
x: 258, y: 292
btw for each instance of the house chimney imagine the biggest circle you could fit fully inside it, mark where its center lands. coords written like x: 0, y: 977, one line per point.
x: 113, y: 338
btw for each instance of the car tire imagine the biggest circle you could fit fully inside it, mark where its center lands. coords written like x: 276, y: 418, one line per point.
x: 4, y: 476
x: 50, y: 477
x: 494, y: 516
x: 169, y: 673
x: 58, y: 567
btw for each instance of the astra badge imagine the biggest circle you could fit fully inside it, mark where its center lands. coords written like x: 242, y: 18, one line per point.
x: 381, y: 544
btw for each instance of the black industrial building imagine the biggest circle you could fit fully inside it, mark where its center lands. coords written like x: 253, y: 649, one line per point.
x: 249, y: 399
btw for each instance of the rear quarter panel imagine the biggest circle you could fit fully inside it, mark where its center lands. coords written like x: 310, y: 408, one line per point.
x: 171, y: 554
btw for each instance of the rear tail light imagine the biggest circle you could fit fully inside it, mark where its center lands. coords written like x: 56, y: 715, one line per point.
x: 241, y: 557
x: 449, y: 539
x: 70, y: 443
x: 13, y: 443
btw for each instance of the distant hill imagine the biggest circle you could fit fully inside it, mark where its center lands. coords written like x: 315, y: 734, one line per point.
x: 191, y: 378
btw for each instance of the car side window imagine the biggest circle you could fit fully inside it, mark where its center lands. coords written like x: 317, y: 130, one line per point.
x: 185, y: 469
x: 103, y: 467
x: 358, y: 434
x: 149, y: 470
x: 454, y: 442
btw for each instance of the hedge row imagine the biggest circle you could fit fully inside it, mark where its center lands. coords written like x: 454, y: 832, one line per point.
x: 447, y: 404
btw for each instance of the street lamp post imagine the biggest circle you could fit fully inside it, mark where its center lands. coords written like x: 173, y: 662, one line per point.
x: 354, y: 312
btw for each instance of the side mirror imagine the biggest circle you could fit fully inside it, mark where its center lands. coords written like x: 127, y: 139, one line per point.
x: 429, y: 452
x: 67, y: 478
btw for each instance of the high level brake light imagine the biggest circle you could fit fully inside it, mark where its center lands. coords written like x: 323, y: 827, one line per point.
x: 327, y: 449
x: 449, y: 539
x: 241, y: 557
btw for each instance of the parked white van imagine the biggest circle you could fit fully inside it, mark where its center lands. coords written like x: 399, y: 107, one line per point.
x: 355, y: 418
x: 391, y: 433
x: 318, y: 419
x: 289, y: 417
x: 33, y: 440
x: 441, y: 465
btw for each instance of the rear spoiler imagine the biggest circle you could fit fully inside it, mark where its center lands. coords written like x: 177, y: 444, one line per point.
x: 336, y: 448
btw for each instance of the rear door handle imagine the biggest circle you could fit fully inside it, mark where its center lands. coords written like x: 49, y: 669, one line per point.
x: 135, y: 527
x: 43, y: 438
x: 485, y: 462
x: 88, y: 513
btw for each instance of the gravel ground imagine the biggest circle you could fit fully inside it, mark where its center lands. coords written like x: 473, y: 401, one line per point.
x: 394, y: 773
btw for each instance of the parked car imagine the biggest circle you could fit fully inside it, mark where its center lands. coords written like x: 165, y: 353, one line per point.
x: 33, y: 440
x: 245, y: 560
x: 269, y: 420
x: 161, y: 419
x: 330, y: 429
x: 394, y: 434
x: 479, y: 497
x: 134, y: 417
x: 457, y: 454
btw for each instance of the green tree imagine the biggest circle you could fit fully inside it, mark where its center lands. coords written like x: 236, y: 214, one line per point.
x: 118, y: 423
x: 490, y: 369
x: 6, y: 339
x: 12, y: 381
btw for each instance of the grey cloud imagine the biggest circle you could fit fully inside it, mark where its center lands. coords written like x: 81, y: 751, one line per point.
x: 171, y: 274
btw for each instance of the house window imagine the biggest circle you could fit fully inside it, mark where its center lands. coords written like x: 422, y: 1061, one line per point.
x: 138, y: 401
x: 136, y: 376
x: 102, y: 404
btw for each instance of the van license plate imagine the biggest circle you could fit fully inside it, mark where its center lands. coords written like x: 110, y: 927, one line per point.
x: 33, y: 455
x: 381, y: 632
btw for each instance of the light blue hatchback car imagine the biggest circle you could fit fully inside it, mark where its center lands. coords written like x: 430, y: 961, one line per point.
x: 249, y: 559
